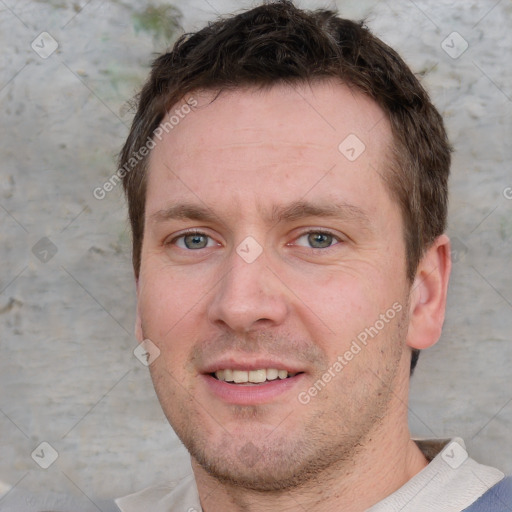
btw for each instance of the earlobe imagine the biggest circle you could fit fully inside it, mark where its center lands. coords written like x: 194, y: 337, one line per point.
x: 428, y: 295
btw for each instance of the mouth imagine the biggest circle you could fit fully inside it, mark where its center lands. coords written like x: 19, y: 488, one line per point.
x: 242, y: 379
x: 252, y: 377
x: 255, y: 382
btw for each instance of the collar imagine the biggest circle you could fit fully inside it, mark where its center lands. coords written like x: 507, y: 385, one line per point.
x: 178, y: 495
x: 450, y: 483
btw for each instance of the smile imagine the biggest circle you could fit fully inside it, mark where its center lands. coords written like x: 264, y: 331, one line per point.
x: 252, y: 376
x: 252, y: 387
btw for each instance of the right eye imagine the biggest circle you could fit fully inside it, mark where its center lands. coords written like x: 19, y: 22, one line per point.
x: 193, y: 240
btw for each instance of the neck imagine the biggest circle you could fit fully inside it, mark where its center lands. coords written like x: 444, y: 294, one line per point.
x: 388, y: 459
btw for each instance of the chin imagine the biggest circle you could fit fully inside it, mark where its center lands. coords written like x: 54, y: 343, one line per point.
x: 261, y: 477
x: 269, y: 467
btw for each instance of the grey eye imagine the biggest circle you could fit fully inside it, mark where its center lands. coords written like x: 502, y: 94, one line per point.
x: 320, y: 240
x: 195, y: 241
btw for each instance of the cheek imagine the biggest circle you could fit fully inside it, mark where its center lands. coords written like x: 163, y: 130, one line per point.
x: 168, y: 302
x: 343, y: 295
x: 339, y: 307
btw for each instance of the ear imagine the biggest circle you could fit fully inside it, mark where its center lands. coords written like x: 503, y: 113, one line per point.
x: 428, y: 295
x: 138, y: 320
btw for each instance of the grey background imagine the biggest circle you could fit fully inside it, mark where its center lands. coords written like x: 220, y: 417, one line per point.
x: 68, y: 375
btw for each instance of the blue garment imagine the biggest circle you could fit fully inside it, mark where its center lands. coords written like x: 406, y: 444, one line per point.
x: 497, y: 499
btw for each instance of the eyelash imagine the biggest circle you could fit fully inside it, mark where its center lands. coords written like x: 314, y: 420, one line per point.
x: 185, y: 234
x: 305, y: 233
x: 319, y: 232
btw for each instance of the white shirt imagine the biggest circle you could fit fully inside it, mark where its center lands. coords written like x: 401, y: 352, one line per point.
x: 450, y: 483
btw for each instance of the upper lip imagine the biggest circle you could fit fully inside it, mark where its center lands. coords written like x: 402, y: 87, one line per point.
x: 248, y: 364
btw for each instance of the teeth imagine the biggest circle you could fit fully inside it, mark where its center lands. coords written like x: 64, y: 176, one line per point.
x: 272, y: 374
x: 257, y: 376
x: 253, y: 376
x: 240, y: 376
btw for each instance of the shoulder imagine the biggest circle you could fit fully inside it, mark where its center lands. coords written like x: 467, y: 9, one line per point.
x: 497, y: 499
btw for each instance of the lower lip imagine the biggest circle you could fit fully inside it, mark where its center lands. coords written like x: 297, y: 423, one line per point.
x: 255, y: 394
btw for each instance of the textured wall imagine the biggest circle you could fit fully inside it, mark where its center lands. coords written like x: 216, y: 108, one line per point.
x: 68, y: 374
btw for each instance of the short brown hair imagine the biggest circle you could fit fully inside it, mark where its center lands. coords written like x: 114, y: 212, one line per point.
x: 279, y: 43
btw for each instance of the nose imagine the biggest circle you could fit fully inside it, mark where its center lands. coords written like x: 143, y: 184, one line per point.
x: 249, y: 297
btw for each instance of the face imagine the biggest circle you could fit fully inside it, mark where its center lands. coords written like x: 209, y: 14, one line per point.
x: 273, y: 281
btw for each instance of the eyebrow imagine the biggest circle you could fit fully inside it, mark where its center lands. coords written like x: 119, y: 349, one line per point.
x: 184, y: 211
x: 301, y: 209
x: 291, y: 212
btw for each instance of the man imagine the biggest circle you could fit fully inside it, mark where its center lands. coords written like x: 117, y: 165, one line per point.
x: 286, y: 176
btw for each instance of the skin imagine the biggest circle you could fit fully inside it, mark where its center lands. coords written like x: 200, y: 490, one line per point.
x: 241, y: 157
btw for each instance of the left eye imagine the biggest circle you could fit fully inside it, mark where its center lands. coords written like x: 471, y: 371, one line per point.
x: 193, y: 241
x: 317, y: 240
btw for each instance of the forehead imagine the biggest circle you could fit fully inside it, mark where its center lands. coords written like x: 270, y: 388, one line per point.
x: 323, y: 113
x: 276, y: 144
